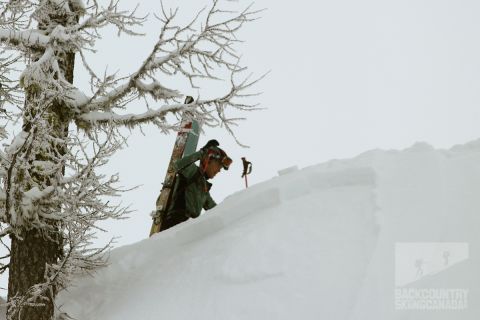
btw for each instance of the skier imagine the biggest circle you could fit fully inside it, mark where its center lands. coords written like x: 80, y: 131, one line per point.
x: 419, y: 265
x: 191, y: 189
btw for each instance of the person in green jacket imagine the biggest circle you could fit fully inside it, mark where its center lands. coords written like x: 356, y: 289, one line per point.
x: 191, y: 191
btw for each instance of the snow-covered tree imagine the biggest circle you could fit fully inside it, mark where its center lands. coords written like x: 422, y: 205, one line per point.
x: 52, y: 194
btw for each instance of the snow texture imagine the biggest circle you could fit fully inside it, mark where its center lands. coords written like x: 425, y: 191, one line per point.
x: 317, y: 243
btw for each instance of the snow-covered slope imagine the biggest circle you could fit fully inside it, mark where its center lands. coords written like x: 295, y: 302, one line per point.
x: 318, y: 243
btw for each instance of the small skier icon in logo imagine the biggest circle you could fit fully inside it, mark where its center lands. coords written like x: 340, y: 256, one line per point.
x: 419, y: 265
x: 446, y: 256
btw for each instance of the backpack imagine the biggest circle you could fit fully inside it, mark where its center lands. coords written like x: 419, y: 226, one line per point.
x: 178, y: 202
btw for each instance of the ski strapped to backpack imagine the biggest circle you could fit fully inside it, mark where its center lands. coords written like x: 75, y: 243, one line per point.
x: 185, y: 136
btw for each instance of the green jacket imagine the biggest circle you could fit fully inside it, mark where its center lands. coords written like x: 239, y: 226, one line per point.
x: 195, y: 194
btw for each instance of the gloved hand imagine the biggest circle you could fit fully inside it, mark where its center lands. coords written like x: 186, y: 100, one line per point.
x: 210, y: 143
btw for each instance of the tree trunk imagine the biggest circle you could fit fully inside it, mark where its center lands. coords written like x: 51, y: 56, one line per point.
x: 30, y: 255
x: 39, y: 248
x: 29, y: 258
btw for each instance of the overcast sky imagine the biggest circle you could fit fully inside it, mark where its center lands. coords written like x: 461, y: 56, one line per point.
x: 346, y: 77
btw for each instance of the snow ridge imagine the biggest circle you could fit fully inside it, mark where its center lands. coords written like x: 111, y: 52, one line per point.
x: 315, y: 243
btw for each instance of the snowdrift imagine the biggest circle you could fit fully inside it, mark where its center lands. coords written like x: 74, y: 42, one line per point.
x: 318, y: 243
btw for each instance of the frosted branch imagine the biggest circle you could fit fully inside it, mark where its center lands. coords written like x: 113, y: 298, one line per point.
x: 130, y: 120
x: 29, y: 38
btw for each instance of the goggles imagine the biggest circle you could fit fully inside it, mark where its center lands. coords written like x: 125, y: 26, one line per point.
x: 221, y: 157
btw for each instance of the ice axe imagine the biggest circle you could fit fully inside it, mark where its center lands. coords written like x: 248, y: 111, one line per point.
x: 247, y: 169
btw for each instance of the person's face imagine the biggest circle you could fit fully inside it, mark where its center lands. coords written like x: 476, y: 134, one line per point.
x: 213, y: 168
